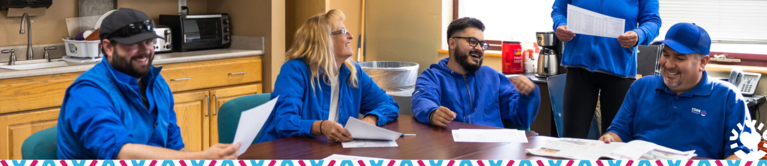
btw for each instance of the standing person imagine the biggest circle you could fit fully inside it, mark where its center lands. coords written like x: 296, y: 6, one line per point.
x: 122, y: 108
x: 320, y: 87
x: 459, y: 88
x: 601, y: 67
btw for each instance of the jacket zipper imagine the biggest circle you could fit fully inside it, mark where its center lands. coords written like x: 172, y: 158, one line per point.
x: 471, y: 101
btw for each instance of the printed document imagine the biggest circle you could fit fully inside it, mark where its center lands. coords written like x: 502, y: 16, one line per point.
x: 583, y: 149
x: 367, y: 135
x: 361, y: 143
x: 251, y: 122
x: 582, y: 21
x: 489, y: 135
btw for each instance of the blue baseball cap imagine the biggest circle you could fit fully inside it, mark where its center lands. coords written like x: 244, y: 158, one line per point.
x: 687, y: 38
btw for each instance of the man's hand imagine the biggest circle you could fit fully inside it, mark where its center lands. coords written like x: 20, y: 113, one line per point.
x: 442, y: 116
x: 371, y: 119
x: 335, y: 132
x: 524, y: 85
x: 563, y: 34
x: 222, y: 151
x: 628, y: 39
x: 610, y: 137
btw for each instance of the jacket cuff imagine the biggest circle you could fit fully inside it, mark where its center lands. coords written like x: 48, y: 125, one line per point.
x: 624, y: 137
x: 306, y: 128
x: 110, y: 153
x: 640, y: 37
x: 381, y: 119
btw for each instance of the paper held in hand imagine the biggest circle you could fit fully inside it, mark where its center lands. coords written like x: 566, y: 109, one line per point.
x: 584, y: 149
x: 582, y: 21
x: 251, y: 122
x: 368, y: 135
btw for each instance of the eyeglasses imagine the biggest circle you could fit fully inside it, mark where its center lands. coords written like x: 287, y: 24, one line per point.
x: 473, y: 42
x: 133, y: 29
x: 342, y: 31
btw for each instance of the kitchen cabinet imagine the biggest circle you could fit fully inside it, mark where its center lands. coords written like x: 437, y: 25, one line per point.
x: 221, y: 96
x: 31, y: 104
x: 15, y: 128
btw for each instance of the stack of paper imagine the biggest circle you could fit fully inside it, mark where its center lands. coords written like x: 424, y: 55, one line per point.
x: 367, y: 135
x: 489, y: 135
x: 583, y: 149
x: 582, y: 21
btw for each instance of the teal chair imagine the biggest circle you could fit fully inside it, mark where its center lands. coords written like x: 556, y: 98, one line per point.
x: 557, y: 92
x: 229, y: 115
x: 40, y: 145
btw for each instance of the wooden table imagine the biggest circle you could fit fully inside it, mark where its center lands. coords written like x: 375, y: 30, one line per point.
x: 429, y: 143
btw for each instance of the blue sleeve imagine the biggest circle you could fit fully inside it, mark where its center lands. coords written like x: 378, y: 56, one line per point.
x: 425, y: 97
x: 286, y: 110
x: 737, y: 114
x: 622, y: 123
x: 520, y: 109
x: 175, y: 141
x: 91, y: 116
x: 649, y: 22
x: 375, y: 101
x: 559, y: 13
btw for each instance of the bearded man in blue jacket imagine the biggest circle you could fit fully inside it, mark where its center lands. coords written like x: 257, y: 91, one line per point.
x: 459, y: 88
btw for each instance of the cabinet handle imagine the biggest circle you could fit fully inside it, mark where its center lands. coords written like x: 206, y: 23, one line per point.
x: 237, y: 73
x: 181, y: 79
x: 215, y: 106
x: 208, y: 99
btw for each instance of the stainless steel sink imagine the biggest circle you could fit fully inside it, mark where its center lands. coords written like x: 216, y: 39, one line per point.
x: 34, y: 64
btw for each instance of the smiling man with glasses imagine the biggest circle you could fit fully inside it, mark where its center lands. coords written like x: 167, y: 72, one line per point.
x: 459, y: 88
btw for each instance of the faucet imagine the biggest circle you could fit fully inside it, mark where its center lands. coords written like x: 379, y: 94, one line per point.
x: 25, y: 18
x: 12, y: 60
x: 46, y: 55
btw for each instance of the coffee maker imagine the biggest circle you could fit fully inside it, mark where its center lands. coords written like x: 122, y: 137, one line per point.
x: 550, y: 55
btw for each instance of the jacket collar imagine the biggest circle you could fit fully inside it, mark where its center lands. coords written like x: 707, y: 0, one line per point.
x: 442, y: 66
x: 704, y: 87
x: 125, y: 79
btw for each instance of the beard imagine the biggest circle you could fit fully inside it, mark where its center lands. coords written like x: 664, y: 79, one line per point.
x: 463, y: 58
x: 125, y: 65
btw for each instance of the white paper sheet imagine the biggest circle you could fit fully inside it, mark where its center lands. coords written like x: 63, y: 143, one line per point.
x: 350, y: 157
x: 582, y: 21
x: 251, y: 122
x: 357, y: 143
x: 582, y: 149
x: 361, y: 130
x: 489, y: 135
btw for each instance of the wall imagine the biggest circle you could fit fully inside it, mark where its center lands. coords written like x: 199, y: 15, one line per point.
x: 45, y: 29
x: 297, y: 12
x: 352, y: 9
x: 403, y: 30
x: 258, y: 18
x: 154, y: 8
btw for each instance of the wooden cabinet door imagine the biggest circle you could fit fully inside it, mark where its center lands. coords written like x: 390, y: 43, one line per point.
x: 192, y: 114
x: 221, y: 96
x: 15, y: 128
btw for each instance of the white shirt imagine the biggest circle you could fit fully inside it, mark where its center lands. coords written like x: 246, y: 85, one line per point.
x: 334, y: 97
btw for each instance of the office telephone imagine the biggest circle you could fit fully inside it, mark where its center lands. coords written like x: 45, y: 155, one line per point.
x: 745, y: 81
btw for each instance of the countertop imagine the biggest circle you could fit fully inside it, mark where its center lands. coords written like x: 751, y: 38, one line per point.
x: 535, y: 79
x: 161, y: 58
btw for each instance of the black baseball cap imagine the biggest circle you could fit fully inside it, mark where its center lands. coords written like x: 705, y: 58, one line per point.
x: 115, y: 25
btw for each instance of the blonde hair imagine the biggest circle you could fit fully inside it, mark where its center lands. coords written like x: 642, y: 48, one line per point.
x: 314, y: 45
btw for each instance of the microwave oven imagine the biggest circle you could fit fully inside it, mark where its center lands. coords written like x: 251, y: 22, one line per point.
x: 197, y: 32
